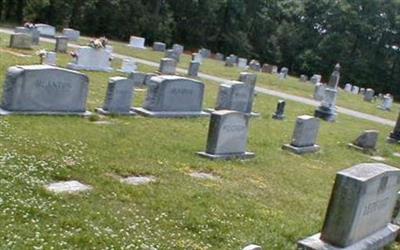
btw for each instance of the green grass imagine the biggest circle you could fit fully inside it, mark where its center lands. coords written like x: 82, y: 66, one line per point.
x: 273, y: 200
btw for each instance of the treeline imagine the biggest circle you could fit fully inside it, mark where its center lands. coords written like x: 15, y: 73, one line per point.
x: 308, y: 36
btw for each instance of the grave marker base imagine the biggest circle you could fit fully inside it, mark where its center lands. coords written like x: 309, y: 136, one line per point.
x: 377, y: 240
x: 245, y: 155
x: 301, y: 150
x: 106, y: 112
x: 364, y: 150
x: 75, y: 66
x: 169, y: 114
x: 392, y: 140
x: 325, y: 114
x: 252, y: 114
x: 7, y: 112
x: 135, y: 47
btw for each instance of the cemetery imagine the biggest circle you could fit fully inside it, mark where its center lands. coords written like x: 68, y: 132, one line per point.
x: 105, y: 151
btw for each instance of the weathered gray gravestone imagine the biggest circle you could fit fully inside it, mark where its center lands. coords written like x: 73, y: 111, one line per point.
x: 30, y: 31
x: 348, y: 87
x: 242, y: 63
x: 205, y: 53
x: 167, y: 66
x: 280, y: 110
x: 266, y: 68
x: 355, y: 90
x: 21, y: 41
x: 73, y: 35
x: 315, y: 79
x: 387, y: 102
x: 248, y: 78
x: 159, y: 46
x: 172, y: 54
x: 197, y: 57
x: 303, y: 78
x: 335, y: 77
x: 327, y: 109
x: 43, y: 89
x: 61, y: 44
x: 360, y: 210
x: 319, y: 91
x: 284, y: 73
x: 219, y: 56
x: 119, y: 97
x: 304, y: 136
x: 138, y: 79
x: 50, y: 59
x: 173, y: 96
x: 91, y: 59
x: 227, y: 136
x: 255, y: 65
x: 394, y: 137
x: 178, y: 49
x: 193, y: 69
x: 46, y: 30
x: 369, y: 95
x: 230, y: 61
x: 362, y: 91
x: 366, y: 142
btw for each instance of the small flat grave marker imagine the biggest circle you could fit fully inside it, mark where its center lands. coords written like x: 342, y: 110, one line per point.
x: 138, y: 180
x: 67, y: 187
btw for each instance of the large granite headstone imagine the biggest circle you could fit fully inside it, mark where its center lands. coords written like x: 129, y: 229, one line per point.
x: 43, y: 89
x: 137, y: 42
x: 33, y: 32
x: 119, y: 97
x: 360, y: 210
x: 167, y: 66
x: 46, y: 30
x: 304, y: 136
x: 159, y: 46
x: 227, y: 136
x: 61, y: 44
x: 21, y: 41
x: 173, y: 96
x: 71, y: 34
x: 91, y: 59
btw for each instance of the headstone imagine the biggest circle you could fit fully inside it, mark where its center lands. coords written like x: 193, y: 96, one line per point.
x: 355, y: 90
x: 394, y: 136
x: 137, y: 42
x: 167, y: 66
x: 194, y: 68
x: 284, y: 73
x: 43, y: 89
x: 369, y: 95
x: 138, y: 78
x: 178, y: 49
x: 219, y: 57
x: 335, y: 77
x: 227, y: 136
x: 159, y: 46
x: 360, y: 210
x: 119, y: 97
x: 61, y: 44
x: 50, y: 59
x: 303, y: 78
x: 274, y: 69
x: 315, y: 79
x: 128, y: 65
x: 304, y: 136
x: 138, y: 180
x: 280, y: 110
x: 255, y: 65
x: 197, y: 57
x: 21, y: 41
x: 67, y: 187
x: 248, y: 78
x: 366, y: 142
x: 173, y: 96
x: 266, y: 68
x: 362, y: 91
x: 387, y: 102
x: 319, y: 92
x: 348, y: 87
x: 252, y: 247
x: 72, y: 34
x: 230, y: 62
x: 91, y: 59
x: 242, y: 63
x: 234, y: 58
x: 205, y: 53
x: 236, y: 96
x: 33, y: 32
x: 327, y: 109
x: 46, y: 30
x: 172, y: 54
x: 147, y: 80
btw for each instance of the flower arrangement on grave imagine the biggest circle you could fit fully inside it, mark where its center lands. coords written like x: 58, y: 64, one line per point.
x: 42, y: 55
x: 73, y: 54
x: 29, y: 25
x: 99, y: 43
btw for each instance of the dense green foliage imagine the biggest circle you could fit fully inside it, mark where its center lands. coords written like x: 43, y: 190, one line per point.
x: 307, y: 36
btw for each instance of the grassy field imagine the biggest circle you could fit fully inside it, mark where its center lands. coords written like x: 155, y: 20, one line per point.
x: 291, y: 85
x: 273, y: 200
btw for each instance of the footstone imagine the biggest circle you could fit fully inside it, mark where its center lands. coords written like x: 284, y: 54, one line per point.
x: 369, y: 95
x: 204, y: 176
x: 137, y: 42
x: 138, y: 78
x: 327, y: 109
x: 394, y: 137
x: 236, y: 96
x: 280, y: 110
x: 173, y: 96
x: 194, y: 68
x: 91, y: 59
x: 43, y: 89
x: 227, y: 136
x: 360, y: 210
x: 71, y: 34
x: 138, y: 180
x: 159, y: 46
x: 119, y: 97
x: 50, y: 59
x: 67, y: 187
x: 128, y: 65
x: 46, y: 30
x: 21, y: 41
x: 252, y: 247
x: 61, y: 44
x: 304, y: 136
x: 33, y: 32
x: 167, y: 66
x: 366, y: 142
